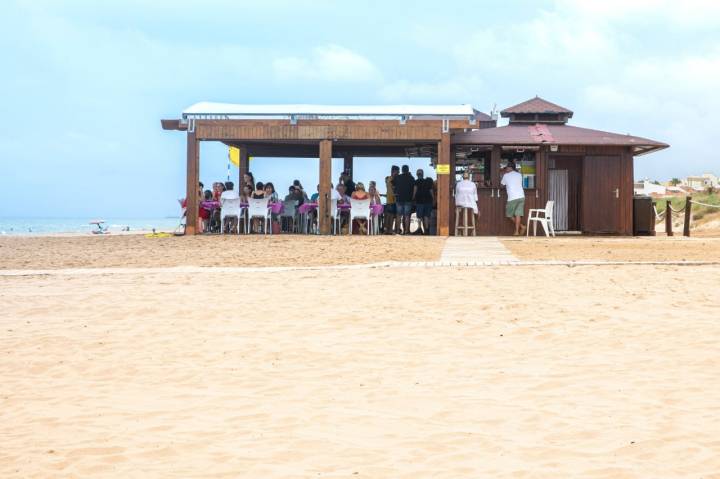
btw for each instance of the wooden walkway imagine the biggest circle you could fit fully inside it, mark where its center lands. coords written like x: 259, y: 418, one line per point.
x: 474, y: 251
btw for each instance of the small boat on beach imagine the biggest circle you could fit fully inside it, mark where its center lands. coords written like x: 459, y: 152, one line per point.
x: 101, y: 229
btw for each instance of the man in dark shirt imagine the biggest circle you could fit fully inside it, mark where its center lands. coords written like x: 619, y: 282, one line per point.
x: 404, y: 185
x: 348, y: 182
x: 423, y: 200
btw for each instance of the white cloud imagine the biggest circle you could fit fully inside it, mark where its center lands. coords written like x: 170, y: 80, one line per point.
x: 330, y: 63
x: 685, y: 14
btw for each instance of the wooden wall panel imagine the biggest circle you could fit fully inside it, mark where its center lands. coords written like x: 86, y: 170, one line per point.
x: 377, y: 130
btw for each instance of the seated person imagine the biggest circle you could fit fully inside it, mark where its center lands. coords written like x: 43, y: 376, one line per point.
x: 208, y: 206
x: 291, y: 194
x: 246, y: 193
x: 360, y: 193
x: 300, y: 194
x: 229, y: 192
x: 259, y: 192
x: 342, y: 197
x: 374, y: 194
x: 217, y: 190
x: 316, y: 195
x: 270, y: 192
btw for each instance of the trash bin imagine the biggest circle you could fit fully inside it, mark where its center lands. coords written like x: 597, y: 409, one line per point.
x: 643, y: 216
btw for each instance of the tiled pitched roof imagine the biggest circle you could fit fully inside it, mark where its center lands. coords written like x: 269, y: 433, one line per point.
x: 535, y: 105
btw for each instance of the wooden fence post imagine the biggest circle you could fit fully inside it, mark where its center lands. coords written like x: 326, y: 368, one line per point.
x: 668, y: 218
x: 688, y: 213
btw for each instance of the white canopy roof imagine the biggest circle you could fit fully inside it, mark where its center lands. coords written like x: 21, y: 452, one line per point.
x: 210, y: 109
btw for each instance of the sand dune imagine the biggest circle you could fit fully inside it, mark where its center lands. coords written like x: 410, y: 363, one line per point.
x: 587, y: 372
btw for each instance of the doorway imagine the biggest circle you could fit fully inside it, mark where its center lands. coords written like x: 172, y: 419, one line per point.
x: 564, y: 188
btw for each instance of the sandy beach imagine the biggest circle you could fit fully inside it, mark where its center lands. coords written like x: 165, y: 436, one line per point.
x: 519, y: 371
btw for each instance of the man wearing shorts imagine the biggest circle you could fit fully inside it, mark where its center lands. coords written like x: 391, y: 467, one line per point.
x: 390, y: 210
x: 515, y: 208
x: 404, y: 185
x: 423, y: 201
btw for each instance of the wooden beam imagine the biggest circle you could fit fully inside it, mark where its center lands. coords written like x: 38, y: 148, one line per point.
x: 324, y: 189
x: 193, y: 178
x: 376, y: 130
x: 243, y: 168
x: 445, y: 176
x: 348, y: 164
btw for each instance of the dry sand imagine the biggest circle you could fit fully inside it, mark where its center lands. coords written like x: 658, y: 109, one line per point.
x: 592, y: 372
x: 574, y: 248
x: 139, y: 251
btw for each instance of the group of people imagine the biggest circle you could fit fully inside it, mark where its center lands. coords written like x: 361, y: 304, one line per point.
x: 466, y: 195
x: 403, y: 192
x: 404, y: 195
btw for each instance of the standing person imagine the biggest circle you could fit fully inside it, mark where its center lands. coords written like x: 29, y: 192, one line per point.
x: 423, y: 197
x: 404, y: 188
x: 249, y: 180
x: 515, y: 207
x: 390, y: 207
x: 349, y: 183
x: 291, y: 194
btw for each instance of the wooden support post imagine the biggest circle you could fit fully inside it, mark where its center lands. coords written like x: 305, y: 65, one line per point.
x: 445, y: 176
x: 324, y: 189
x: 668, y: 218
x: 688, y: 215
x: 348, y: 164
x: 243, y: 169
x: 193, y: 178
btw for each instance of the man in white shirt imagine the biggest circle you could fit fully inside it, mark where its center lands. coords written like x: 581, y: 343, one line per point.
x: 229, y: 193
x: 515, y: 208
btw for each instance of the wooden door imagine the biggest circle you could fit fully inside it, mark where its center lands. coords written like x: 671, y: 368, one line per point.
x: 601, y: 185
x: 484, y: 224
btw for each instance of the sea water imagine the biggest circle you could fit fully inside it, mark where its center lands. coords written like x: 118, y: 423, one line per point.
x: 44, y: 226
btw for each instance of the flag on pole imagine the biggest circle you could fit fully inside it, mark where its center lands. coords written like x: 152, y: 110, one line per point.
x: 234, y: 156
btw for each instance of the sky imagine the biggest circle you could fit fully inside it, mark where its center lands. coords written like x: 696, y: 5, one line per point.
x: 84, y: 84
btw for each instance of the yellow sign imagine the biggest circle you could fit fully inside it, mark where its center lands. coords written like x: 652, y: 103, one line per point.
x: 443, y: 169
x: 234, y: 156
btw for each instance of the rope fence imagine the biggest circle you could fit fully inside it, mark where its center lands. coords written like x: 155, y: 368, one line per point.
x: 704, y: 204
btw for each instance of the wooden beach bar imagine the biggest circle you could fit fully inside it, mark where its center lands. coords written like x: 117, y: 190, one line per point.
x: 589, y: 173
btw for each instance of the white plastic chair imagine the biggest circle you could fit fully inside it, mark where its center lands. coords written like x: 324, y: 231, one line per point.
x: 258, y: 208
x: 289, y: 212
x: 335, y: 216
x: 360, y: 209
x: 230, y: 208
x: 542, y: 216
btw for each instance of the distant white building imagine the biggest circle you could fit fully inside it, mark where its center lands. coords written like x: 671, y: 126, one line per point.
x: 645, y: 187
x: 702, y: 182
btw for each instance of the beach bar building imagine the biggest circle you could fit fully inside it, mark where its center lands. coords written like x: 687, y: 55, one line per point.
x: 588, y: 173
